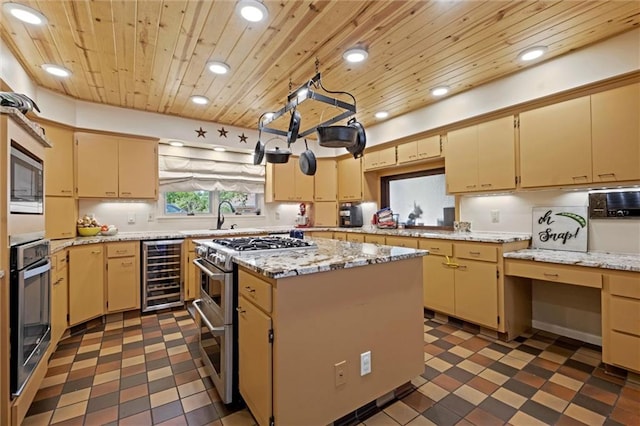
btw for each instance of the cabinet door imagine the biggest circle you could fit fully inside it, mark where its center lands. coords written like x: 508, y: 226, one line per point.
x: 58, y: 171
x: 123, y: 286
x: 59, y: 309
x: 428, y: 147
x: 255, y: 360
x: 387, y: 157
x: 86, y: 283
x: 96, y: 160
x: 193, y: 277
x: 326, y: 181
x: 303, y: 183
x: 60, y: 217
x: 476, y: 292
x: 325, y: 213
x: 370, y: 160
x: 461, y: 160
x: 137, y: 169
x: 349, y: 179
x: 555, y: 144
x: 407, y: 152
x: 283, y: 181
x: 615, y: 123
x: 438, y: 284
x: 496, y: 154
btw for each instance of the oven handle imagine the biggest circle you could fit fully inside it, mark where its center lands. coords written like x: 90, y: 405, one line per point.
x: 218, y: 331
x: 34, y: 271
x: 212, y: 275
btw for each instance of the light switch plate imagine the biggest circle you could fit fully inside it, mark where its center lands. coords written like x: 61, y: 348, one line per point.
x: 365, y: 363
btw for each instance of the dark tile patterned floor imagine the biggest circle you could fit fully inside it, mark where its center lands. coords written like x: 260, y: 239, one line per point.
x: 146, y: 370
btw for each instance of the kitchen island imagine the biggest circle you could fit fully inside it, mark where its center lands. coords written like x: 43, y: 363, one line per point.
x: 325, y: 331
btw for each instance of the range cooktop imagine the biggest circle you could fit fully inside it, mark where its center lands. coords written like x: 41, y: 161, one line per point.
x: 253, y: 244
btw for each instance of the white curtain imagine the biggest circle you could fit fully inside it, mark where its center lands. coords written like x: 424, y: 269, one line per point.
x: 198, y: 170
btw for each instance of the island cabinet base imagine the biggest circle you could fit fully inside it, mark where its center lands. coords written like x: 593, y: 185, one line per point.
x: 323, y: 322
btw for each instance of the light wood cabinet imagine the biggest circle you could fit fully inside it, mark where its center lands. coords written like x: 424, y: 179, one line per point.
x: 419, y: 150
x: 58, y: 171
x: 481, y: 157
x: 325, y: 213
x: 326, y: 180
x: 401, y: 241
x: 192, y: 284
x: 321, y: 234
x: 112, y: 167
x: 438, y: 281
x: 123, y: 276
x: 59, y: 296
x: 476, y: 292
x: 354, y: 237
x: 86, y: 283
x: 615, y: 126
x: 555, y: 144
x: 375, y: 239
x: 349, y: 179
x: 60, y: 217
x: 342, y: 236
x: 288, y: 183
x: 382, y: 158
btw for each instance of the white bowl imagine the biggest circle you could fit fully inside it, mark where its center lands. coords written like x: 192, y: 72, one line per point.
x: 110, y: 232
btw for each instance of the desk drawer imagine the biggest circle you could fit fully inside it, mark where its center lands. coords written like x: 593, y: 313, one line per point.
x: 624, y: 315
x: 625, y: 350
x: 121, y: 249
x: 627, y: 285
x: 255, y: 290
x: 552, y: 272
x: 488, y: 253
x: 402, y: 242
x: 439, y: 247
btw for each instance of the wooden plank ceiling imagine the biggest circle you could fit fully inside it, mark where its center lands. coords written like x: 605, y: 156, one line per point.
x: 151, y: 54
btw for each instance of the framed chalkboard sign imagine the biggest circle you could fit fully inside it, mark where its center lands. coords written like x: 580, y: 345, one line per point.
x: 560, y: 228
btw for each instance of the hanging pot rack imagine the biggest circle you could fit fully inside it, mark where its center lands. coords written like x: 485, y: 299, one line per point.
x: 298, y: 96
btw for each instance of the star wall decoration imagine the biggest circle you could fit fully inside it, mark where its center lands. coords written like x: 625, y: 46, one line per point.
x: 201, y: 132
x: 223, y: 132
x: 243, y: 138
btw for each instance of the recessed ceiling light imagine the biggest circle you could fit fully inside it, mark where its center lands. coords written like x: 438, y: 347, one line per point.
x: 440, y: 91
x: 56, y: 70
x: 381, y: 114
x: 218, y: 67
x: 200, y: 100
x: 176, y: 143
x: 252, y: 10
x: 355, y: 54
x: 25, y: 13
x: 219, y: 149
x: 532, y: 53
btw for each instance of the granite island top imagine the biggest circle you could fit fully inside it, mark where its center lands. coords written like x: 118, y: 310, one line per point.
x: 327, y: 256
x: 618, y: 261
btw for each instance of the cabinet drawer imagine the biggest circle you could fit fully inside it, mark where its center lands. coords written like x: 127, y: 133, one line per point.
x: 61, y: 261
x: 484, y: 252
x: 438, y: 247
x: 340, y: 236
x: 121, y: 249
x: 402, y: 242
x: 357, y: 238
x: 321, y: 234
x: 624, y: 285
x: 255, y: 290
x: 375, y: 239
x: 554, y: 273
x: 624, y: 315
x: 625, y: 350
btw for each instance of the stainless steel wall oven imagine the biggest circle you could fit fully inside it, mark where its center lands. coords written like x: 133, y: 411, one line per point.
x: 30, y: 319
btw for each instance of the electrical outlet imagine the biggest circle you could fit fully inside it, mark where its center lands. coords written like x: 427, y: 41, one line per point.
x: 277, y: 215
x: 495, y: 216
x: 151, y: 217
x: 365, y: 363
x: 340, y: 370
x: 131, y: 218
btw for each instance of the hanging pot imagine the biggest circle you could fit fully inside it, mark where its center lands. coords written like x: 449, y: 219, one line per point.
x: 361, y: 142
x: 17, y: 100
x: 337, y: 136
x: 307, y: 161
x: 276, y: 156
x: 294, y: 127
x: 258, y: 153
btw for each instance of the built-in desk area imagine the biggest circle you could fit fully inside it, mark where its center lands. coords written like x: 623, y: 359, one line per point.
x: 616, y: 275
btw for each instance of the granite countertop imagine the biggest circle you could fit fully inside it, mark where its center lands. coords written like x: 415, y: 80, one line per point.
x: 329, y: 255
x: 485, y: 237
x: 619, y: 261
x: 32, y: 128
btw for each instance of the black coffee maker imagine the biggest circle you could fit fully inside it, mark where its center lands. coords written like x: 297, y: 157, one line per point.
x: 350, y: 215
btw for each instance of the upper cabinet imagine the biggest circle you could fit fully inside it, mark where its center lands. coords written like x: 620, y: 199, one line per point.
x: 286, y: 182
x: 419, y: 150
x: 326, y: 180
x: 58, y: 170
x: 481, y: 157
x: 112, y: 167
x: 382, y: 158
x: 555, y: 144
x: 349, y: 179
x: 615, y: 133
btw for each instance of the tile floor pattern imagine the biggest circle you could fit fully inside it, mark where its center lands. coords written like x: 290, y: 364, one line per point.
x: 146, y: 370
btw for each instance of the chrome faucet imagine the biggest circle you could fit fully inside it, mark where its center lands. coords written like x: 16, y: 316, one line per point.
x: 220, y: 215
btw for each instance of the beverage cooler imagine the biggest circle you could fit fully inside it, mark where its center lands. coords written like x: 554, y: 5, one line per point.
x: 162, y: 275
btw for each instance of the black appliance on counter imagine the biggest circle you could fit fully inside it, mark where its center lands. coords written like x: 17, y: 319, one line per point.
x: 614, y: 205
x: 350, y: 215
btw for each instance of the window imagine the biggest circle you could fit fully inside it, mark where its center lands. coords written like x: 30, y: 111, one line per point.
x: 419, y: 198
x: 191, y: 203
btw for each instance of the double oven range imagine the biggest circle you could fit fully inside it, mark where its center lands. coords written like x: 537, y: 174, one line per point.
x: 218, y: 301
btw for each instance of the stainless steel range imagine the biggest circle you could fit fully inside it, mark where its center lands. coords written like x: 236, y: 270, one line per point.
x: 219, y: 299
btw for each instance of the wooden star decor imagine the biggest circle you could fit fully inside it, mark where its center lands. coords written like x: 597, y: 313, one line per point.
x: 243, y: 138
x: 223, y: 132
x: 201, y: 132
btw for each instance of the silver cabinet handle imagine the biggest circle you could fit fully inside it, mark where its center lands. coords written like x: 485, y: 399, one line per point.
x: 218, y: 331
x: 547, y: 274
x: 249, y: 289
x: 474, y: 253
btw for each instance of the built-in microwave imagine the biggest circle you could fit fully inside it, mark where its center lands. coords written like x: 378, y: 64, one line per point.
x: 26, y: 186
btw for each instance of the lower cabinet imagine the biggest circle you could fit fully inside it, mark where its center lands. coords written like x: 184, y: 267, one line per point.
x: 356, y: 238
x: 375, y: 239
x: 476, y: 292
x: 86, y: 283
x: 438, y: 282
x: 192, y: 277
x: 123, y: 276
x: 59, y: 296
